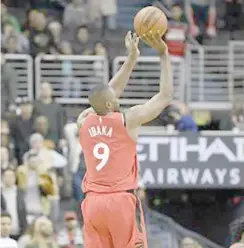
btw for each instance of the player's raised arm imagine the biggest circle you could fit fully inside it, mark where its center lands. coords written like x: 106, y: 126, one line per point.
x: 141, y: 114
x: 121, y: 78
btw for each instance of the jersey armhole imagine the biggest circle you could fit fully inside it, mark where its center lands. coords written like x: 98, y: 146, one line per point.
x: 123, y: 119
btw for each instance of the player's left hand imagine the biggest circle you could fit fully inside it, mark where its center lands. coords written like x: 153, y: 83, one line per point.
x: 131, y: 43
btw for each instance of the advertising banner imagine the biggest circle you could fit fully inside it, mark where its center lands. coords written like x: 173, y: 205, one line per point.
x: 192, y: 160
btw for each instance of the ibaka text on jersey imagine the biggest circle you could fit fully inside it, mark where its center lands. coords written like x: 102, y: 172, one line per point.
x: 100, y: 130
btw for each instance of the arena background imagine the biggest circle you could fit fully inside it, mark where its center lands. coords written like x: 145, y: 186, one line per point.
x: 191, y: 181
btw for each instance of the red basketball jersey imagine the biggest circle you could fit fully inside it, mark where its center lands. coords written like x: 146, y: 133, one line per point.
x: 110, y: 154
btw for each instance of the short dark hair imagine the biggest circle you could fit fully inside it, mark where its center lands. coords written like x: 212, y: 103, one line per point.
x: 5, y: 214
x: 97, y: 89
x: 80, y: 27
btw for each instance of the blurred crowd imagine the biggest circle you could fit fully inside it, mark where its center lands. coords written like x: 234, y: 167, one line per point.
x: 43, y: 32
x: 40, y: 152
x: 64, y: 27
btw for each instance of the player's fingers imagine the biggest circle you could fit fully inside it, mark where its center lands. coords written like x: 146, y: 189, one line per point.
x: 158, y: 35
x: 152, y: 38
x: 134, y: 37
x: 148, y: 36
x: 128, y: 35
x: 146, y: 39
x: 137, y: 40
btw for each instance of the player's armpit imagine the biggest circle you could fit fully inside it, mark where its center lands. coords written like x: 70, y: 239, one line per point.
x: 81, y: 118
x: 141, y: 114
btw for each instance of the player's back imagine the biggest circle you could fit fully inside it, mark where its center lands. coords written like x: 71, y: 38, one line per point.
x: 110, y: 154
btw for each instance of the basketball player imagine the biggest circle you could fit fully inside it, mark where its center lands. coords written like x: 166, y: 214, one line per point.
x: 112, y: 212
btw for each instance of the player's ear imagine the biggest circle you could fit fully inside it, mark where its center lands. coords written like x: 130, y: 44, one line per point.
x: 109, y: 105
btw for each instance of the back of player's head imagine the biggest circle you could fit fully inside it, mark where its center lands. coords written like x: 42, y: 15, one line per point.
x: 103, y: 99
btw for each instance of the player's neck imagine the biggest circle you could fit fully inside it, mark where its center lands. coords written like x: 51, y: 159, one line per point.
x: 103, y: 113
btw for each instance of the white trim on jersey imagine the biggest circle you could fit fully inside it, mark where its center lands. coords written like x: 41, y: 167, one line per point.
x: 123, y: 118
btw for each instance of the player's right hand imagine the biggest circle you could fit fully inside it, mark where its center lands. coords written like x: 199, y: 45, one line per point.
x: 155, y: 41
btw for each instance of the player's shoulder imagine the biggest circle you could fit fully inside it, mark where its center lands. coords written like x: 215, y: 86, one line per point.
x: 83, y: 116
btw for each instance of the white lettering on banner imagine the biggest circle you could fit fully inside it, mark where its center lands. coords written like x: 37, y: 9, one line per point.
x: 207, y: 177
x: 218, y: 147
x: 220, y: 174
x: 239, y: 148
x: 179, y: 149
x: 185, y: 148
x: 153, y: 147
x: 192, y: 176
x: 172, y: 176
x: 235, y: 176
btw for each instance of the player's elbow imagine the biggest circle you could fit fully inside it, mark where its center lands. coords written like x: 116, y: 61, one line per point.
x: 167, y: 96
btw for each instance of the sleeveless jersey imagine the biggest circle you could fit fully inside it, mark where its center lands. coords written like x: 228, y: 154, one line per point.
x: 110, y: 154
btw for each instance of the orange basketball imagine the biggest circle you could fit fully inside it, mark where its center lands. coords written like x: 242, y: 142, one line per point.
x: 150, y: 19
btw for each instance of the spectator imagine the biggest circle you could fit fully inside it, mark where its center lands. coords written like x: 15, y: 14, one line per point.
x: 47, y: 157
x: 201, y: 13
x: 31, y: 21
x: 177, y: 32
x: 26, y: 238
x: 5, y: 134
x: 82, y: 45
x: 39, y: 188
x: 55, y: 28
x: 41, y: 126
x: 11, y: 44
x: 7, y: 18
x: 21, y: 129
x: 71, y: 135
x: 5, y: 161
x: 45, y: 106
x: 38, y: 179
x: 238, y: 119
x: 100, y: 49
x: 43, y: 235
x: 8, y: 86
x: 233, y: 13
x: 225, y: 122
x: 76, y: 163
x: 71, y: 235
x: 237, y: 230
x: 66, y: 49
x: 203, y: 119
x: 5, y: 240
x: 23, y: 45
x: 40, y: 37
x: 177, y: 114
x: 75, y: 14
x: 7, y: 143
x: 15, y: 203
x: 105, y: 9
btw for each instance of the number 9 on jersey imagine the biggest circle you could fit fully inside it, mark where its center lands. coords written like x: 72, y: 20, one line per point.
x: 101, y: 152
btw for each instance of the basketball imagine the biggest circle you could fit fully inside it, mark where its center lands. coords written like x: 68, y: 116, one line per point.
x: 150, y: 19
